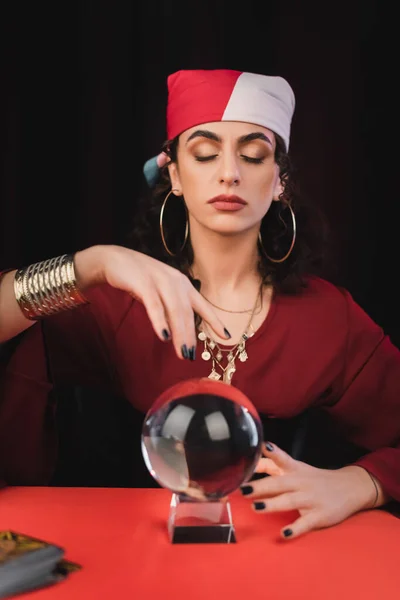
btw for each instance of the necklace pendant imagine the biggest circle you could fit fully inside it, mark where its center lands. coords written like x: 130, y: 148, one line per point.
x: 230, y: 357
x: 250, y: 333
x: 206, y: 355
x: 214, y: 375
x: 212, y: 344
x: 243, y: 356
x: 229, y: 371
x: 202, y: 336
x: 219, y: 355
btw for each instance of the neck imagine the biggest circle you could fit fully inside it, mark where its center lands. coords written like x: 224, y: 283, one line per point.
x: 225, y: 263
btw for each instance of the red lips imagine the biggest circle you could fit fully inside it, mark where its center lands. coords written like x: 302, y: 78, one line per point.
x: 225, y: 198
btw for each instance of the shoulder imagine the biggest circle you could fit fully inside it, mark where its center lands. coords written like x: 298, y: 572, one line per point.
x: 320, y: 294
x: 321, y: 303
x: 330, y: 302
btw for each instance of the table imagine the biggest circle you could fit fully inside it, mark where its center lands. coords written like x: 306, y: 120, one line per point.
x: 119, y: 536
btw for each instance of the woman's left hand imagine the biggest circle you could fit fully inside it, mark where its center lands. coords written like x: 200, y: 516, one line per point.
x: 323, y: 497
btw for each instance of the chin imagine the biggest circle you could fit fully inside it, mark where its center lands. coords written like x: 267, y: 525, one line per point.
x: 228, y: 229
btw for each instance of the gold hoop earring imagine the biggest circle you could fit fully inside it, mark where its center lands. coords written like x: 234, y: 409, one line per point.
x: 162, y: 226
x: 288, y: 253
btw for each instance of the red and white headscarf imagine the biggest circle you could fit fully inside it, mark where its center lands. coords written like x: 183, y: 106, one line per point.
x: 205, y: 96
x: 201, y: 96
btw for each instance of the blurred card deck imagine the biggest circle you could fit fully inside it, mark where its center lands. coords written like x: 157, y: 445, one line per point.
x: 28, y: 563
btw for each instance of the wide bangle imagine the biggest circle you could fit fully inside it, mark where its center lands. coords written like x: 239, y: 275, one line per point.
x: 48, y: 287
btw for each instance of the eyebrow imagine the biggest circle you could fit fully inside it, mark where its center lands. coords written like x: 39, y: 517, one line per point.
x: 244, y: 139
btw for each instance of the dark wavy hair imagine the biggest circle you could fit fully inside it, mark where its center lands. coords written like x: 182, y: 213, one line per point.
x: 306, y: 258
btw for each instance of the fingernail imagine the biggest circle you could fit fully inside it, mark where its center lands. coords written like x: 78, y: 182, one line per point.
x: 165, y: 334
x: 287, y: 532
x: 246, y: 490
x: 196, y: 283
x: 259, y: 505
x: 192, y: 353
x: 228, y: 335
x: 269, y: 447
x: 257, y: 476
x: 184, y: 351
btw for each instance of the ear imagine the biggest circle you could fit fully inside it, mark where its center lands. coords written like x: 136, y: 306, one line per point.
x: 174, y: 177
x: 278, y: 189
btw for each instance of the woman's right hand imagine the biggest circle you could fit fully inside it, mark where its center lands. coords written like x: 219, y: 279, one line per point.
x: 168, y: 296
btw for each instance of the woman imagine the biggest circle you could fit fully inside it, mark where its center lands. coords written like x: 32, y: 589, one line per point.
x: 222, y: 289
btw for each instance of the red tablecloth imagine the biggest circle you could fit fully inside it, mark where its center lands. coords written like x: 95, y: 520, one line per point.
x: 119, y: 536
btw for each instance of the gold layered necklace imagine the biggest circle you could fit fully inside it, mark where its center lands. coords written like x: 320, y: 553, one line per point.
x: 237, y: 312
x: 219, y: 355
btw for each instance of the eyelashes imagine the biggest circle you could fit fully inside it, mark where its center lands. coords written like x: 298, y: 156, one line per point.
x: 249, y: 159
x: 252, y: 159
x: 205, y: 158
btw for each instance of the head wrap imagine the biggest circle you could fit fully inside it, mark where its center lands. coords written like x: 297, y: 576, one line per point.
x: 205, y: 96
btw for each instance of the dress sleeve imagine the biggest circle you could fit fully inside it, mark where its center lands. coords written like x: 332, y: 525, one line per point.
x: 74, y: 348
x: 367, y: 407
x: 76, y: 345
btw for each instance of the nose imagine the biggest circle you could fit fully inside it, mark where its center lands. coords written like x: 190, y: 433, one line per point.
x: 229, y: 174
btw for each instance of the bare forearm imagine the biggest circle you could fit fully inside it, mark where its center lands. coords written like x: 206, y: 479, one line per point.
x: 88, y: 270
x: 89, y: 266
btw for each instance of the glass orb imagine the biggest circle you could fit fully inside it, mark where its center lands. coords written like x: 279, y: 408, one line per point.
x: 202, y: 439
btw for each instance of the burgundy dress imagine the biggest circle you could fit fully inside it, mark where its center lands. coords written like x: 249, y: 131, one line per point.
x: 317, y: 349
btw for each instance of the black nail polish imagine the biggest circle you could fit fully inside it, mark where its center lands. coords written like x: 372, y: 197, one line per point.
x: 228, y: 335
x: 192, y: 353
x: 257, y: 476
x: 196, y: 283
x: 259, y: 505
x: 246, y: 490
x: 184, y: 351
x: 287, y: 532
x: 269, y: 447
x: 165, y: 334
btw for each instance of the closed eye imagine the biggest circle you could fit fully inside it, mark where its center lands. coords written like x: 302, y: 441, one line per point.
x: 249, y: 159
x: 252, y: 159
x: 205, y: 158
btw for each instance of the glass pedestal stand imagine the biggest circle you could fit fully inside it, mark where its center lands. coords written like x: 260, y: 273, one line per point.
x: 198, y: 522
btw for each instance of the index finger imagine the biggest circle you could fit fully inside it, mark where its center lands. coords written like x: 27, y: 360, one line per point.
x: 267, y: 465
x: 272, y: 486
x: 202, y: 308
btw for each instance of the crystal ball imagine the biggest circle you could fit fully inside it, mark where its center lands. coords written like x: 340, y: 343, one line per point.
x: 202, y: 439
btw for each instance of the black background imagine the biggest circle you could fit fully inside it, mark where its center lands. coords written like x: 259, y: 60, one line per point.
x: 83, y: 91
